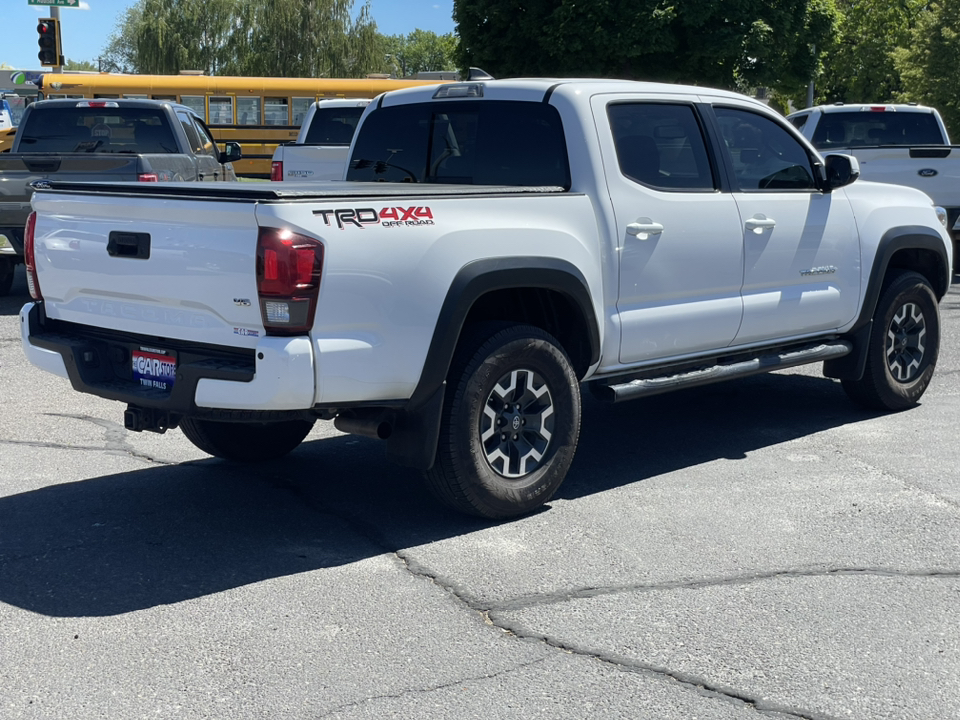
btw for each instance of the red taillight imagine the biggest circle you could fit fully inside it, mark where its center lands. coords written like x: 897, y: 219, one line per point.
x: 276, y: 170
x: 29, y: 256
x: 148, y: 177
x: 878, y: 108
x: 288, y: 280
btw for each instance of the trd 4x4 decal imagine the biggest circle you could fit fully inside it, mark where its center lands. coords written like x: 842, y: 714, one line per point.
x: 388, y: 217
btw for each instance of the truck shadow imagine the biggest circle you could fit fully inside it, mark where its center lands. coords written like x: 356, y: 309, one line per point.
x: 11, y: 303
x: 124, y: 542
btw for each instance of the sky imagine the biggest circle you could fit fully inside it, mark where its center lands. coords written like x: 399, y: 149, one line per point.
x: 84, y: 30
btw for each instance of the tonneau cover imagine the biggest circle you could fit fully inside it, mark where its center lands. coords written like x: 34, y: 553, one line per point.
x: 274, y: 191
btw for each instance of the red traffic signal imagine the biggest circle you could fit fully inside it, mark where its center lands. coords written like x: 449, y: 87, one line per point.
x: 48, y: 30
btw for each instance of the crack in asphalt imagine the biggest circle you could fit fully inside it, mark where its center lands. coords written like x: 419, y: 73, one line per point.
x: 491, y: 615
x: 425, y: 690
x: 732, y: 580
x: 115, y: 439
x: 688, y: 681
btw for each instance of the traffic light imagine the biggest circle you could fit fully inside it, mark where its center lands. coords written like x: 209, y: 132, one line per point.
x: 48, y: 30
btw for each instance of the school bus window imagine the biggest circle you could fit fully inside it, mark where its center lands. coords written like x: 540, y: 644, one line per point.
x: 195, y: 103
x: 166, y: 98
x: 136, y: 97
x: 105, y: 96
x: 248, y: 111
x: 221, y: 111
x: 275, y: 111
x: 300, y: 107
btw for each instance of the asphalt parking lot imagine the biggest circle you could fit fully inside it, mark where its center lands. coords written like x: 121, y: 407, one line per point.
x: 762, y: 548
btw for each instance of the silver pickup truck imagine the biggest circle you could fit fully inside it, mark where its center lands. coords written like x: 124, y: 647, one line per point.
x: 117, y: 140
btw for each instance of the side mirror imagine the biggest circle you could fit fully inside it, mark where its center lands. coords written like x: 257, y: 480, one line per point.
x: 841, y: 170
x: 231, y: 152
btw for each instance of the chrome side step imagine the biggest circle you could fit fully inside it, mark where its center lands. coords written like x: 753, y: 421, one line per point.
x: 618, y: 392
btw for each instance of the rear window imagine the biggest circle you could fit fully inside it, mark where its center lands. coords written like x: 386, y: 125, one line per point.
x: 466, y: 143
x: 861, y: 128
x: 97, y: 130
x: 333, y: 126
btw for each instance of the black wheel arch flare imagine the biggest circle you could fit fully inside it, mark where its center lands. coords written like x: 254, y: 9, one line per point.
x: 894, y: 240
x: 414, y: 439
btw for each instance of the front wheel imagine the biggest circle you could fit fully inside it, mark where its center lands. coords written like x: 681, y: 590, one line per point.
x: 246, y: 442
x: 903, y: 348
x: 511, y: 421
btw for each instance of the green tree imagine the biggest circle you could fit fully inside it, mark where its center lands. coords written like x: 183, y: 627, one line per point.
x: 285, y: 38
x: 419, y: 51
x: 120, y: 52
x: 929, y: 59
x: 80, y: 65
x: 736, y: 44
x: 861, y: 66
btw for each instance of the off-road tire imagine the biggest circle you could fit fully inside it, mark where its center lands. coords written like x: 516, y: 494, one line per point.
x: 513, y: 378
x: 903, y: 348
x: 246, y: 442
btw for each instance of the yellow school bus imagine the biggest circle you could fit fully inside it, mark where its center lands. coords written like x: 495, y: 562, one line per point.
x: 257, y: 112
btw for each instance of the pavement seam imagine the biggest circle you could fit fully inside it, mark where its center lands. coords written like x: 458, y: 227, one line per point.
x: 589, y: 592
x: 688, y: 681
x: 424, y: 690
x: 115, y: 438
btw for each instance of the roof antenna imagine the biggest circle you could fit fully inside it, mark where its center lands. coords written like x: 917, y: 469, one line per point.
x: 476, y: 73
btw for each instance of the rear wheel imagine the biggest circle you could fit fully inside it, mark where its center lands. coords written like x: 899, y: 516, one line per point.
x: 7, y: 267
x: 511, y: 421
x: 246, y: 442
x: 903, y: 348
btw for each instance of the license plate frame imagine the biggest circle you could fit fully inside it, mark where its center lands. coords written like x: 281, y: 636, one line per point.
x: 154, y: 368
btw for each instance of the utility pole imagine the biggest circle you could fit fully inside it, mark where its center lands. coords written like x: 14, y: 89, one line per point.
x: 55, y: 14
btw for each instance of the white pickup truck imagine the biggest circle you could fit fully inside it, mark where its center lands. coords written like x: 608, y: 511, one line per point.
x: 320, y: 151
x: 496, y: 245
x: 899, y: 144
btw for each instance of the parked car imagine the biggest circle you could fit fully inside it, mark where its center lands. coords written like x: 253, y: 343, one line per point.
x: 132, y: 140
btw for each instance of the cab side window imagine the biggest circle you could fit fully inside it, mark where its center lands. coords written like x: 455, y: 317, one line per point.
x: 193, y: 137
x: 764, y: 156
x: 661, y: 145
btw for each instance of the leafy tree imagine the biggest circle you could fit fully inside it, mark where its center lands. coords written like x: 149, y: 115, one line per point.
x: 861, y: 67
x: 120, y: 52
x: 929, y: 59
x: 419, y: 51
x: 285, y: 38
x: 737, y: 43
x: 79, y: 65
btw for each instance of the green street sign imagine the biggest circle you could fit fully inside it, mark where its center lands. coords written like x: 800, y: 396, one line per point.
x: 57, y: 3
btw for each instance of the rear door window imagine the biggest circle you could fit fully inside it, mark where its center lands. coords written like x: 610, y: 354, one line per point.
x: 661, y: 145
x: 466, y: 143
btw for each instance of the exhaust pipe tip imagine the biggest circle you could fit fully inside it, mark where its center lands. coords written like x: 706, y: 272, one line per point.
x: 370, y: 425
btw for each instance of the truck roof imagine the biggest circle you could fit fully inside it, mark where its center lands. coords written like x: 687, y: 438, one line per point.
x: 537, y: 89
x: 868, y: 107
x: 111, y: 102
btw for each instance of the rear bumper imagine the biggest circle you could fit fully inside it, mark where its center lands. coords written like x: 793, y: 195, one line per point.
x: 277, y: 375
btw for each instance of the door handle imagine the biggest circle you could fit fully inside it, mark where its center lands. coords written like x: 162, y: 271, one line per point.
x: 758, y: 223
x: 644, y: 226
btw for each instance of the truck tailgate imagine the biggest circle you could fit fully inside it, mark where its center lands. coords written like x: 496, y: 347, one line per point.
x: 934, y: 170
x: 169, y: 268
x: 314, y: 162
